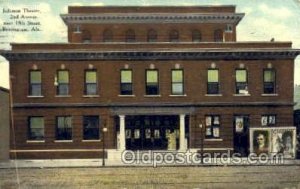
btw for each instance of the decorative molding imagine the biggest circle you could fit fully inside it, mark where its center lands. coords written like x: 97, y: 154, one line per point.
x: 194, y: 54
x: 112, y: 18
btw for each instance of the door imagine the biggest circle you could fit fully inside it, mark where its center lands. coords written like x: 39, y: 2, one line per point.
x: 241, y: 135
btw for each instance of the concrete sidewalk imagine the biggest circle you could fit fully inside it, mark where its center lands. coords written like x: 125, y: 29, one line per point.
x: 54, y: 163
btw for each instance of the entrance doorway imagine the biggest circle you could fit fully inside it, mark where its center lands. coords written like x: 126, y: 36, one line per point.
x: 241, y: 135
x: 153, y: 132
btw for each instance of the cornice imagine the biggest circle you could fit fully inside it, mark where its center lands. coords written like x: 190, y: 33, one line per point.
x: 109, y: 18
x: 200, y: 54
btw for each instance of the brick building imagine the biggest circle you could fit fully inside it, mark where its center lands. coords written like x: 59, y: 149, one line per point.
x: 4, y: 124
x: 158, y: 78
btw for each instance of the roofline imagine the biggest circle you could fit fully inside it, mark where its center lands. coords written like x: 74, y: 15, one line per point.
x: 4, y: 89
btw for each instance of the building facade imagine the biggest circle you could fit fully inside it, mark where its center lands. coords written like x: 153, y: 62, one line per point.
x: 4, y: 124
x: 158, y: 78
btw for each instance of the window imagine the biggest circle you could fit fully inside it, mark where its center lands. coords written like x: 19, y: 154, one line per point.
x: 212, y: 81
x: 64, y: 128
x: 107, y: 35
x: 152, y: 36
x: 152, y: 86
x: 241, y: 83
x: 269, y: 81
x: 241, y: 123
x: 268, y: 120
x: 86, y: 36
x: 35, y: 82
x: 90, y: 128
x: 212, y: 129
x: 218, y: 35
x: 130, y: 36
x: 62, y: 82
x: 126, y: 82
x: 196, y: 36
x: 36, y: 128
x: 174, y: 36
x: 177, y: 82
x: 90, y: 82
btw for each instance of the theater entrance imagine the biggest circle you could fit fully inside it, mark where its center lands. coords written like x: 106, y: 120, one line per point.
x: 152, y: 132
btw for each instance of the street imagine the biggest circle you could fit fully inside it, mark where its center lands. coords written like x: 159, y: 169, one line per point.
x: 270, y: 177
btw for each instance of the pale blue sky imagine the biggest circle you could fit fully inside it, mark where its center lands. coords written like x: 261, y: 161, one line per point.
x: 264, y: 19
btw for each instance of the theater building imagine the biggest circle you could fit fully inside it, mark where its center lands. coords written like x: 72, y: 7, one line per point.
x: 158, y: 78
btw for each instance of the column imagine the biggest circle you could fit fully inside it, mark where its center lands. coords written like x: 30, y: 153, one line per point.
x: 182, y: 146
x: 122, y: 132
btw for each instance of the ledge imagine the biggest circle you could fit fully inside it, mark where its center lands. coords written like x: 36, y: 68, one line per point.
x: 183, y: 95
x: 126, y: 95
x: 66, y: 141
x: 63, y: 96
x: 241, y: 94
x: 213, y: 139
x: 35, y: 96
x: 213, y: 95
x: 35, y: 141
x: 275, y: 94
x: 90, y: 140
x: 152, y: 96
x: 90, y: 96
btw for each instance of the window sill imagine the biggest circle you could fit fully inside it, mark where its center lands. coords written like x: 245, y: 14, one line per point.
x: 213, y: 139
x: 35, y: 141
x: 90, y: 140
x: 152, y: 95
x: 126, y: 95
x: 90, y: 96
x: 35, y: 96
x: 64, y: 96
x: 241, y: 94
x: 58, y: 141
x: 274, y: 94
x: 183, y: 95
x: 213, y: 95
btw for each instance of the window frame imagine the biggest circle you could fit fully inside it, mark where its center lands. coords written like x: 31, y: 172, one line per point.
x: 272, y: 83
x: 152, y: 36
x: 212, y: 126
x: 31, y: 84
x: 182, y: 82
x: 196, y: 36
x: 238, y: 85
x: 86, y: 83
x: 130, y: 36
x: 97, y: 128
x: 29, y: 131
x: 60, y: 138
x: 126, y: 83
x: 58, y: 92
x: 107, y: 36
x: 213, y: 83
x: 174, y: 36
x: 148, y: 84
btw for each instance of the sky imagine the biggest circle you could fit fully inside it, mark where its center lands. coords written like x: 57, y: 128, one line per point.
x: 264, y: 19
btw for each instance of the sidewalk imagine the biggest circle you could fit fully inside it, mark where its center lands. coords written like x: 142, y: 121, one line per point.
x: 55, y: 163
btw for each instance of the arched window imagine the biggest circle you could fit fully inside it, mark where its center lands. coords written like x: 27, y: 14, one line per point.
x: 130, y: 36
x: 86, y: 36
x: 218, y: 35
x: 107, y: 35
x: 152, y: 36
x: 174, y: 36
x: 196, y: 36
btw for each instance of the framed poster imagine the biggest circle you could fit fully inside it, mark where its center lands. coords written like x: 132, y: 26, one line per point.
x: 239, y: 124
x: 260, y: 140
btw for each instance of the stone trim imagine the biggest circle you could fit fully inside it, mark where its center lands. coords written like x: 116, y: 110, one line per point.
x: 112, y: 18
x: 195, y: 54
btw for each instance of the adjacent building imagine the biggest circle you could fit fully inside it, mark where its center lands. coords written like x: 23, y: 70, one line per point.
x: 158, y: 78
x: 4, y: 124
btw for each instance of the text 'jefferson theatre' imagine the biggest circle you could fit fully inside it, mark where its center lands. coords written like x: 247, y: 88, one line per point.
x: 157, y: 78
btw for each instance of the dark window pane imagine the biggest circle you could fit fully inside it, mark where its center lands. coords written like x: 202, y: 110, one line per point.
x: 241, y: 88
x: 64, y: 128
x: 126, y: 88
x: 152, y: 89
x: 63, y: 89
x: 213, y: 88
x: 36, y: 89
x: 91, y: 128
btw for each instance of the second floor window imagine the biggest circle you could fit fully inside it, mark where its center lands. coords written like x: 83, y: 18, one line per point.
x: 174, y: 36
x: 212, y: 129
x: 218, y: 35
x: 196, y: 36
x: 212, y: 81
x: 130, y: 36
x: 241, y: 83
x: 269, y: 81
x: 64, y: 128
x: 107, y: 35
x: 63, y: 82
x: 152, y: 36
x: 177, y: 82
x: 152, y: 86
x: 126, y: 82
x: 91, y: 82
x: 36, y: 128
x: 35, y: 83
